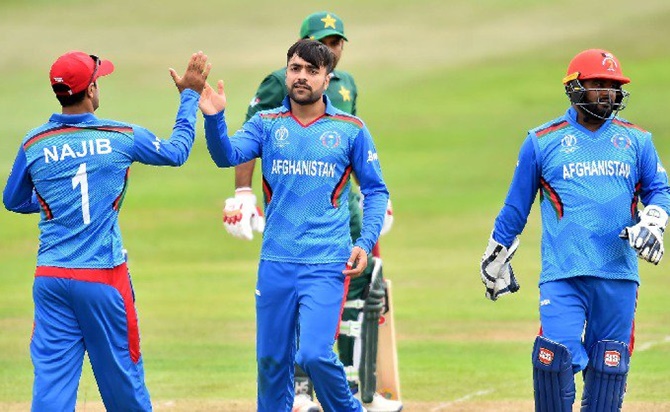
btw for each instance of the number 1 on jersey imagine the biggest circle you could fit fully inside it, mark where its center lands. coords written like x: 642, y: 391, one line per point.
x: 81, y: 179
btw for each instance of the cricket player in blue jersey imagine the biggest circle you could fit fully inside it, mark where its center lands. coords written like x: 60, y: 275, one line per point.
x: 591, y: 169
x: 242, y: 217
x: 73, y: 170
x: 309, y: 150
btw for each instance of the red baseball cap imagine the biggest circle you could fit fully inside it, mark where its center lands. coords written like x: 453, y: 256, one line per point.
x: 76, y: 71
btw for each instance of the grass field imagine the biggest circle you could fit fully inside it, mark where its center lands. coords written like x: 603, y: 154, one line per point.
x: 448, y: 89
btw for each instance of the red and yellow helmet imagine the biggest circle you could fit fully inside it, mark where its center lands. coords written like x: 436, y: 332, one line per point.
x: 595, y: 64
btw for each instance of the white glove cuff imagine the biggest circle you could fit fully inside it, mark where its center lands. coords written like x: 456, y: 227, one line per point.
x: 654, y: 216
x: 243, y: 190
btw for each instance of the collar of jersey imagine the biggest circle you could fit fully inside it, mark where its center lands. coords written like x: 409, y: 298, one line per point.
x: 72, y: 118
x: 330, y: 109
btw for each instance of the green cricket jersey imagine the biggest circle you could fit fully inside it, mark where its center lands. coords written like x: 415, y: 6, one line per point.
x: 342, y: 92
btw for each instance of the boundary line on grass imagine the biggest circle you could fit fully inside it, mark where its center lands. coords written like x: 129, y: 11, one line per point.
x: 444, y: 405
x: 648, y: 345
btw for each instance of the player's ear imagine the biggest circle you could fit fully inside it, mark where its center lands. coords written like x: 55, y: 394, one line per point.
x: 90, y: 91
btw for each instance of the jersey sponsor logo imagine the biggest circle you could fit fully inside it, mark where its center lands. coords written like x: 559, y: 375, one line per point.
x: 281, y: 137
x: 87, y: 148
x: 569, y: 144
x: 545, y: 302
x: 330, y: 140
x: 612, y: 358
x: 303, y: 168
x: 372, y: 156
x: 545, y: 356
x: 621, y: 142
x: 596, y: 168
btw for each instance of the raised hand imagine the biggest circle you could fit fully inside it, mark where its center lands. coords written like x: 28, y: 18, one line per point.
x: 213, y: 101
x: 195, y: 77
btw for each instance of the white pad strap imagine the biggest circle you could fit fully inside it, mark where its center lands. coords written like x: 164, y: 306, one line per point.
x: 354, y: 304
x: 350, y: 328
x: 352, y: 373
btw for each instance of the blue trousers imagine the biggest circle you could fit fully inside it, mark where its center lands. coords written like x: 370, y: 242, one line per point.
x: 578, y: 312
x: 299, y: 306
x: 78, y: 311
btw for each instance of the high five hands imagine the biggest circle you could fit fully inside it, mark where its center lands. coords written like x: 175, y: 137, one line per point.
x: 195, y: 77
x: 212, y: 101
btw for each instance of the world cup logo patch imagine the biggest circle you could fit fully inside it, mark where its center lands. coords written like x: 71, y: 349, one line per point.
x: 281, y: 137
x: 331, y: 139
x: 569, y: 144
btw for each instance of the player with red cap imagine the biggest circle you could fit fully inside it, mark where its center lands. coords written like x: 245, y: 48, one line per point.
x: 74, y: 170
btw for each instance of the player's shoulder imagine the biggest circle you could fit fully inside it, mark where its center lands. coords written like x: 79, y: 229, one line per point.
x: 337, y: 115
x: 40, y: 130
x: 274, y: 113
x: 629, y: 126
x: 343, y: 76
x: 550, y: 127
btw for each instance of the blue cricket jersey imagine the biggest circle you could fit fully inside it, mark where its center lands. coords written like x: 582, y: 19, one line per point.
x: 306, y: 180
x: 74, y: 171
x: 590, y: 184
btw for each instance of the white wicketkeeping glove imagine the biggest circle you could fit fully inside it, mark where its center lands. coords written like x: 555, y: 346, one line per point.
x: 388, y: 219
x: 646, y: 237
x: 496, y: 272
x: 241, y: 215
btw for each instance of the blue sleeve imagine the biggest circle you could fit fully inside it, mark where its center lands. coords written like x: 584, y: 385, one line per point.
x: 522, y: 191
x: 365, y: 163
x: 149, y: 149
x: 243, y: 146
x: 18, y: 195
x: 654, y: 188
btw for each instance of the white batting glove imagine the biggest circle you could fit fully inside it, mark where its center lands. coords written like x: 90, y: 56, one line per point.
x: 241, y: 215
x: 646, y: 237
x: 496, y: 271
x: 388, y: 219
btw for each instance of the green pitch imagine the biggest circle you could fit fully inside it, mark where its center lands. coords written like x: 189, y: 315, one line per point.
x: 448, y: 90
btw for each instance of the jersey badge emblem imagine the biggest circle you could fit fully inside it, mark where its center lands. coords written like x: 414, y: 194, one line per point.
x: 330, y: 140
x: 621, y: 142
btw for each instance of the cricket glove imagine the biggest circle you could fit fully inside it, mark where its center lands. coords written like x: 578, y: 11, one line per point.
x: 388, y: 219
x: 496, y: 271
x: 241, y: 215
x: 646, y: 237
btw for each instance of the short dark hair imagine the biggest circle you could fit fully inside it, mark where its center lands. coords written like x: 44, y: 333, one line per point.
x: 68, y: 99
x: 313, y: 52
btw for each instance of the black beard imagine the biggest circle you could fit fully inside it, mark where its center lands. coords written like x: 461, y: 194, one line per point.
x: 311, y: 98
x: 598, y: 110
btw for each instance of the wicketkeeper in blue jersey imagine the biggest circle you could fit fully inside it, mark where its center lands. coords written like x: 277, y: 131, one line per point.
x: 591, y: 169
x: 73, y: 170
x: 309, y: 150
